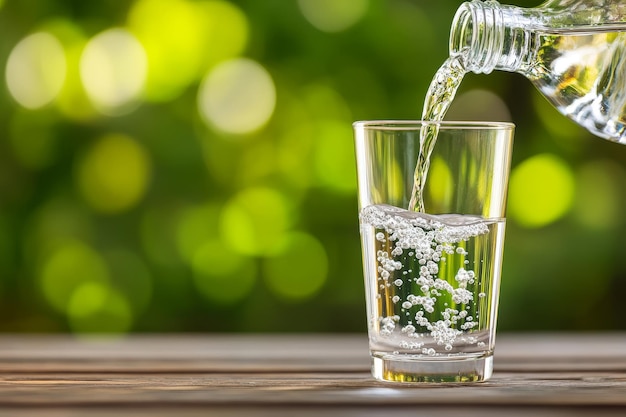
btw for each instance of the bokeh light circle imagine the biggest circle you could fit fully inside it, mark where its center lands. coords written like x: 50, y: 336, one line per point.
x: 333, y: 15
x: 600, y: 184
x: 439, y: 180
x: 183, y: 39
x: 114, y: 173
x: 541, y: 191
x: 299, y: 269
x: 334, y: 159
x: 110, y: 314
x: 36, y: 70
x: 113, y: 69
x: 255, y: 221
x: 69, y: 267
x: 87, y: 299
x: 222, y: 275
x: 171, y: 32
x: 72, y: 101
x: 238, y: 96
x: 225, y: 29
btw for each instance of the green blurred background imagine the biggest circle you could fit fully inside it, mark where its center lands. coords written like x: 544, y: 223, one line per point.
x: 188, y: 165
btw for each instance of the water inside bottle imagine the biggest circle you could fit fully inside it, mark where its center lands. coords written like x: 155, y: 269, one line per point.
x: 582, y: 73
x: 584, y: 76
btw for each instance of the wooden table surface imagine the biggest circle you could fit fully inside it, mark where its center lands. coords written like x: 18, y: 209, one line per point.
x: 298, y: 375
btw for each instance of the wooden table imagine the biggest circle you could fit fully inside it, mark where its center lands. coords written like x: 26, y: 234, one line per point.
x: 298, y: 375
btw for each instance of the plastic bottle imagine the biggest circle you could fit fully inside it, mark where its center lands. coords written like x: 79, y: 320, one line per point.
x: 573, y: 51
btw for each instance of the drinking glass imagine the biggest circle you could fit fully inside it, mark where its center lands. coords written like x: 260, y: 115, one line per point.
x: 432, y: 277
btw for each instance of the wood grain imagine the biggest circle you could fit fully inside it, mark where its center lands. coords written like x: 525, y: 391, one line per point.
x: 546, y: 374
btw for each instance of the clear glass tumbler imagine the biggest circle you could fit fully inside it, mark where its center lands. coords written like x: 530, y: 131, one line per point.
x: 432, y: 278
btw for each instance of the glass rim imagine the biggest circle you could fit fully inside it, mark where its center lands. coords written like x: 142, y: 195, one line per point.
x: 445, y: 124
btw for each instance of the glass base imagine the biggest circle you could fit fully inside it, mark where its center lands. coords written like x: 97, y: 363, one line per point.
x: 395, y: 368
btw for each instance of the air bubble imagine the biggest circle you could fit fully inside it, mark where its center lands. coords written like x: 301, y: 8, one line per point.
x: 408, y: 329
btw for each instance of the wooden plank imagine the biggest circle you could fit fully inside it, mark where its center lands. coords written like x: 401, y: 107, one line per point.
x: 188, y: 353
x: 542, y: 373
x: 175, y: 346
x: 299, y: 353
x: 389, y: 410
x: 306, y: 389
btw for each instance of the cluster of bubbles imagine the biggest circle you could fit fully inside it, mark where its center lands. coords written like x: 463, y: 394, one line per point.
x: 429, y: 240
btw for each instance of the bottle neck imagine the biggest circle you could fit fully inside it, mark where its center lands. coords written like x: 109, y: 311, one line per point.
x: 490, y: 37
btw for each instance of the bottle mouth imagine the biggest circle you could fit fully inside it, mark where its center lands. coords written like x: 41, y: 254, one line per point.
x: 462, y: 33
x: 478, y: 33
